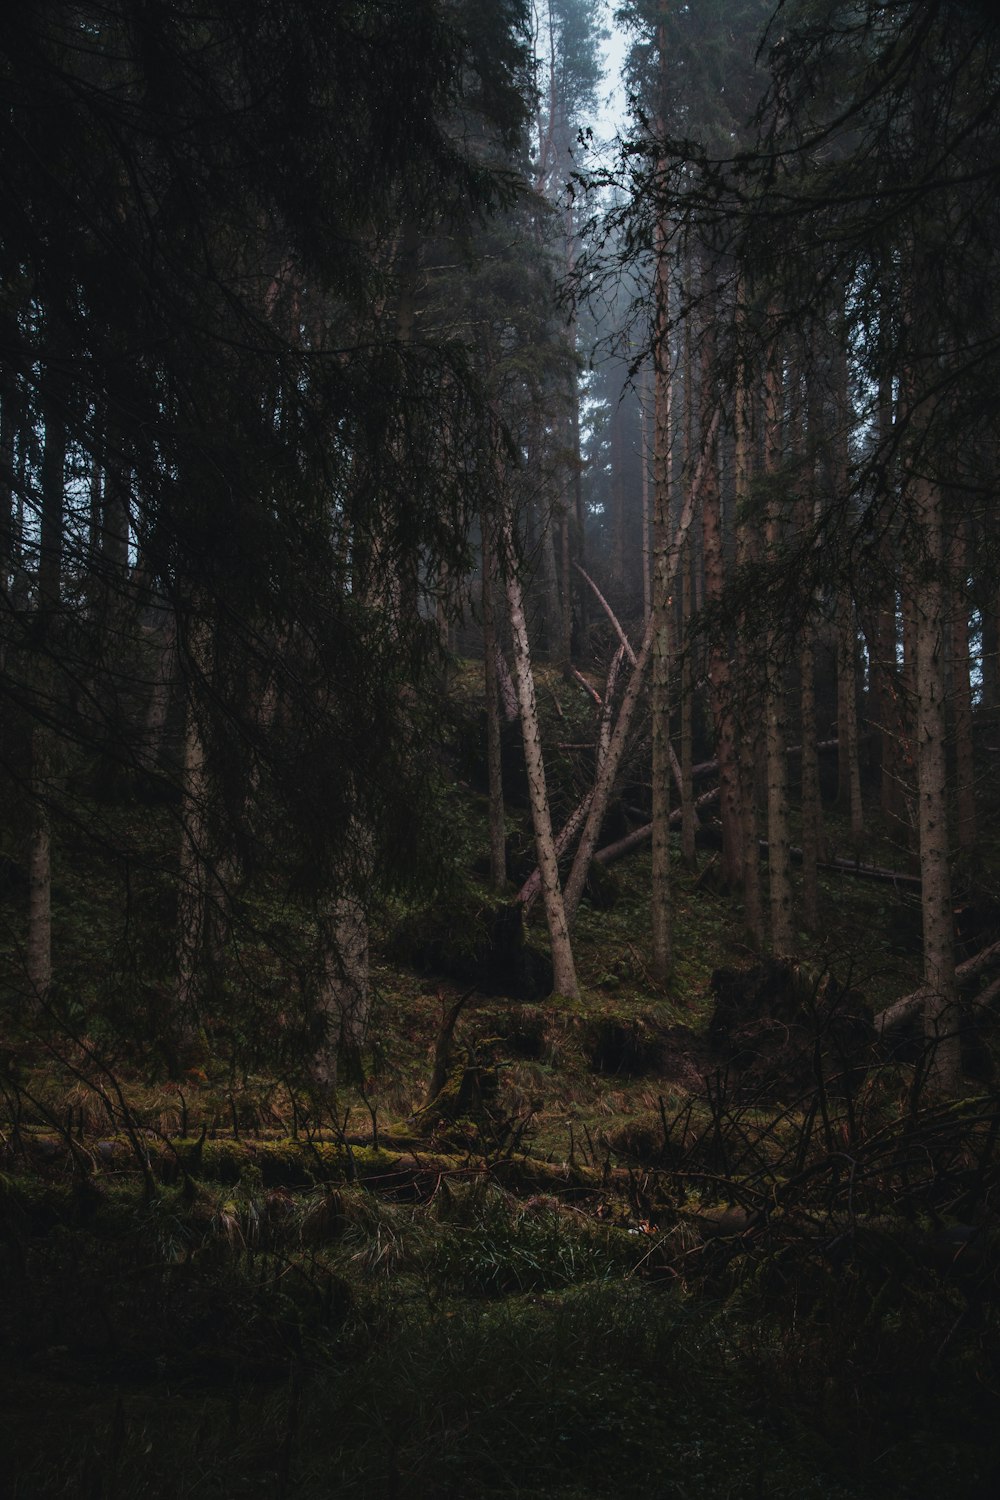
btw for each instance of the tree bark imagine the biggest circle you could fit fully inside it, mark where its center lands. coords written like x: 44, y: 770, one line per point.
x: 609, y: 770
x: 494, y: 764
x: 849, y: 792
x: 563, y: 969
x: 192, y: 892
x: 940, y: 1005
x: 961, y: 692
x: 749, y: 753
x: 810, y: 789
x: 41, y: 748
x: 38, y: 948
x: 909, y: 1006
x: 775, y: 710
x: 719, y: 670
x: 660, y: 915
x: 344, y: 998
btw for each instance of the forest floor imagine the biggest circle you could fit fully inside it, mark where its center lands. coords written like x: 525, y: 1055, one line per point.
x: 620, y: 1254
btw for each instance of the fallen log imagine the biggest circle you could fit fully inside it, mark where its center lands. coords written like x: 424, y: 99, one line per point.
x: 616, y: 625
x: 863, y: 872
x: 903, y: 1010
x: 640, y: 836
x: 711, y: 767
x: 643, y: 835
x: 530, y: 890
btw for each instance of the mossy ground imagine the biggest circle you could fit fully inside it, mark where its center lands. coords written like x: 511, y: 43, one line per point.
x: 613, y: 1274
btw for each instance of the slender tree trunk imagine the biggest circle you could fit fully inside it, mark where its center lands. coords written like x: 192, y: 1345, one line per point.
x: 810, y: 789
x: 719, y: 669
x: 192, y: 894
x: 889, y: 708
x: 491, y: 650
x: 573, y: 521
x: 604, y: 781
x: 941, y: 1002
x: 344, y: 998
x: 848, y: 757
x: 53, y: 500
x: 775, y: 708
x: 806, y: 430
x: 647, y: 577
x: 7, y: 431
x: 660, y: 621
x: 163, y: 644
x: 38, y: 948
x: 618, y: 502
x: 566, y: 588
x: 563, y: 970
x: 689, y: 815
x: 553, y: 610
x: 750, y: 676
x: 961, y: 692
x: 41, y: 748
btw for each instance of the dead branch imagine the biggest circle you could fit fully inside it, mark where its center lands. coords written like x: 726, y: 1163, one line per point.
x: 616, y: 626
x: 578, y: 677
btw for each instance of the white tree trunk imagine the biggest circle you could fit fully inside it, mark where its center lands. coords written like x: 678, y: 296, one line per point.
x: 563, y: 968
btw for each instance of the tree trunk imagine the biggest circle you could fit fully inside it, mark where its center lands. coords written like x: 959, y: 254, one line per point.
x: 563, y: 970
x: 719, y: 671
x: 941, y: 994
x: 53, y: 478
x: 810, y: 789
x: 749, y: 672
x: 344, y: 989
x: 618, y: 502
x: 605, y: 778
x: 689, y: 815
x: 849, y: 764
x: 775, y: 706
x: 660, y: 622
x: 494, y: 763
x: 38, y: 947
x: 961, y: 692
x: 163, y: 641
x: 647, y: 577
x: 192, y: 893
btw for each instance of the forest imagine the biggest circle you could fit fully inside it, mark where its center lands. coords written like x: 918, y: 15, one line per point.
x: 499, y: 810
